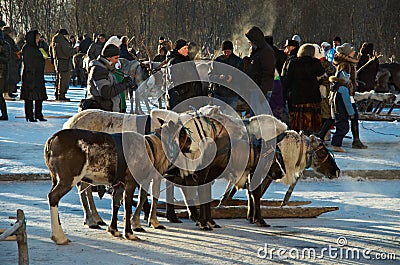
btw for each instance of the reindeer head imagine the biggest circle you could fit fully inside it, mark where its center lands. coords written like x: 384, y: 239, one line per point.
x: 322, y: 160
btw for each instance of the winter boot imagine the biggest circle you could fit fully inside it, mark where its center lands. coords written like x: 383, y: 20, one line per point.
x: 357, y: 144
x: 326, y: 126
x: 3, y: 108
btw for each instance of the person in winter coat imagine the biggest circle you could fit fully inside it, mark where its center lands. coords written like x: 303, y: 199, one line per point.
x: 341, y: 108
x: 103, y: 89
x: 344, y: 61
x: 33, y: 86
x: 4, y: 58
x: 324, y: 87
x: 303, y: 90
x: 216, y: 73
x: 180, y: 70
x: 95, y: 48
x: 366, y: 73
x: 62, y: 52
x: 124, y: 49
x: 262, y: 66
x: 337, y: 41
x: 13, y: 74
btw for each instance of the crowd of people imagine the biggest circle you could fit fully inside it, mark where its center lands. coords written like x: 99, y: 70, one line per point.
x: 310, y: 87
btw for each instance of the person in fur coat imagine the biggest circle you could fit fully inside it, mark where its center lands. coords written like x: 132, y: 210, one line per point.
x: 344, y: 61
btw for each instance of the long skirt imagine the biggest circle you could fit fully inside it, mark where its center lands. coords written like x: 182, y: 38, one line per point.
x: 306, y: 117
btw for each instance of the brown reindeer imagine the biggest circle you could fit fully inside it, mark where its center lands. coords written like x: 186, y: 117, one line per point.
x: 97, y: 158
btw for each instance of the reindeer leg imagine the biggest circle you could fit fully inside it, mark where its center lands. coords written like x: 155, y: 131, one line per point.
x: 170, y: 208
x: 256, y: 196
x: 289, y: 192
x: 155, y: 195
x: 203, y: 222
x: 250, y: 207
x: 228, y: 194
x: 142, y: 198
x: 88, y: 217
x: 57, y: 191
x: 210, y: 222
x: 128, y: 199
x: 112, y: 229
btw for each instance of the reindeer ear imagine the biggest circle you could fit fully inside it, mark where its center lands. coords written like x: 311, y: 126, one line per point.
x: 163, y: 115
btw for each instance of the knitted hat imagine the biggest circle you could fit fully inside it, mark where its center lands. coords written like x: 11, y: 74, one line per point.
x: 227, y: 45
x: 293, y: 43
x: 63, y: 32
x: 345, y: 49
x: 179, y: 44
x: 110, y: 50
x: 337, y: 39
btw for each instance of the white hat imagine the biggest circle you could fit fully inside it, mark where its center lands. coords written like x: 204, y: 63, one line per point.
x: 113, y: 40
x: 319, y: 53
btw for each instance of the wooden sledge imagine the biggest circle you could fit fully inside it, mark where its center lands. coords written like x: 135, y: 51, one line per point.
x: 237, y: 202
x: 239, y: 212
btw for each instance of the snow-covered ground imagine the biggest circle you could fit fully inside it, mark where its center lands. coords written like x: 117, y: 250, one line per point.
x: 368, y: 217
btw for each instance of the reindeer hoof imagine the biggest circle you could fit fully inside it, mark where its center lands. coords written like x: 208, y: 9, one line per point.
x: 130, y: 236
x: 102, y: 223
x: 160, y: 227
x: 94, y: 227
x: 139, y: 229
x: 63, y: 241
x: 204, y: 227
x: 113, y: 232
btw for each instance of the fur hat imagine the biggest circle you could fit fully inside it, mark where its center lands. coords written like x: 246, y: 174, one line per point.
x: 293, y: 43
x: 227, y: 45
x: 179, y: 44
x: 345, y: 48
x: 110, y: 50
x: 114, y: 40
x: 63, y: 32
x: 306, y: 49
x: 319, y: 52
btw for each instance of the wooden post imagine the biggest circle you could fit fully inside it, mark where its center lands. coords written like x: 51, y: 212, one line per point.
x: 18, y: 233
x: 22, y: 240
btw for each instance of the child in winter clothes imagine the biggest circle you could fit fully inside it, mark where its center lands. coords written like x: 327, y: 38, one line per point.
x: 341, y: 108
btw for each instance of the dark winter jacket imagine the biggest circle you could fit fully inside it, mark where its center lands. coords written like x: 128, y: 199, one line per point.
x: 302, y: 82
x: 124, y: 53
x: 262, y: 60
x: 348, y: 64
x: 13, y: 73
x: 181, y: 69
x: 33, y: 85
x: 368, y: 74
x: 215, y: 72
x: 95, y: 50
x: 62, y: 52
x: 84, y: 45
x: 280, y: 59
x: 4, y: 59
x: 102, y: 85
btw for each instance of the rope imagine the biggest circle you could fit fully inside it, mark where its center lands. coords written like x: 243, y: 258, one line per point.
x: 389, y: 134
